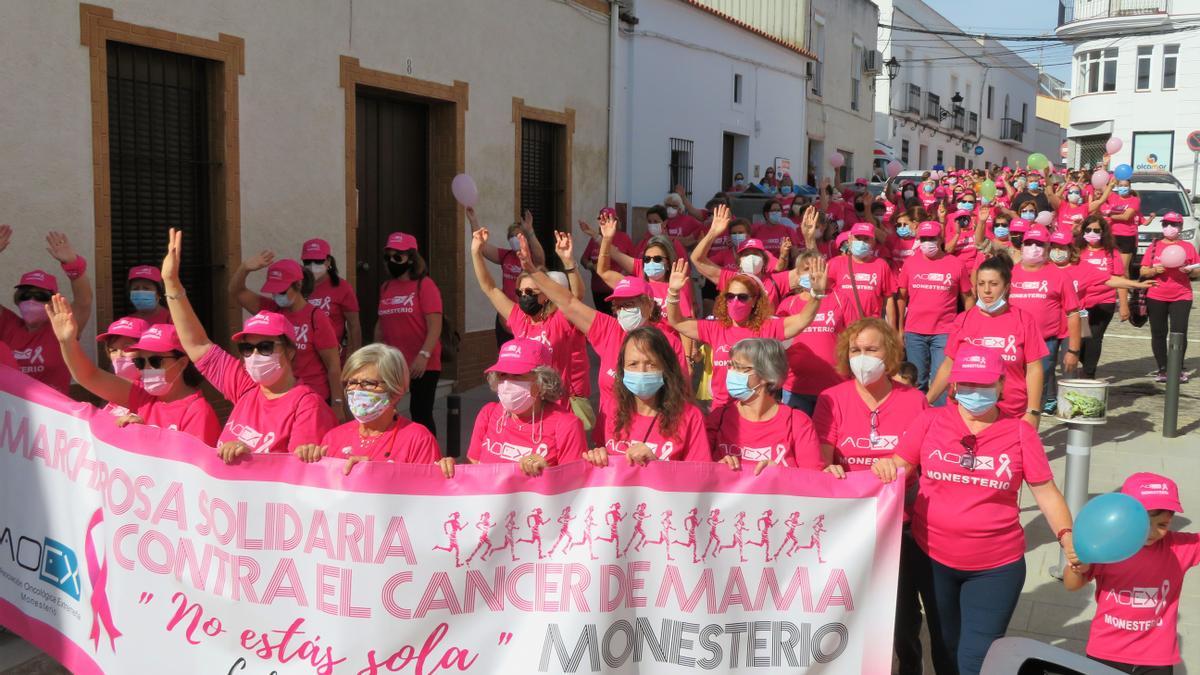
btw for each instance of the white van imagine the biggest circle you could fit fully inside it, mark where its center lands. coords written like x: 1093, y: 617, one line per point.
x: 1162, y: 193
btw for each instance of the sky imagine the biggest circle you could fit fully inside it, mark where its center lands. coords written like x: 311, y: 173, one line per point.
x: 1018, y: 17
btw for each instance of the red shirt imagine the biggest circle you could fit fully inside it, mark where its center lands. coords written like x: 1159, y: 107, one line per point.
x: 843, y: 420
x: 1109, y: 262
x: 335, y: 301
x: 559, y: 336
x: 1137, y: 602
x: 606, y: 336
x: 934, y: 287
x: 1016, y: 334
x: 1069, y: 217
x: 510, y: 269
x: 722, y: 338
x: 787, y: 438
x: 191, y: 414
x: 1046, y: 294
x: 621, y: 242
x: 970, y: 519
x: 314, y: 332
x: 874, y: 278
x: 1173, y: 284
x: 556, y: 435
x: 281, y: 424
x: 812, y: 356
x: 1087, y: 281
x: 37, y: 352
x: 404, y: 442
x: 688, y: 442
x: 404, y: 306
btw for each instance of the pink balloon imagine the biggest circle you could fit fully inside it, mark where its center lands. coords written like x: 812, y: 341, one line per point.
x: 1173, y: 256
x: 1114, y: 145
x: 1044, y: 218
x: 1100, y: 178
x: 837, y: 160
x: 463, y: 187
x: 894, y: 168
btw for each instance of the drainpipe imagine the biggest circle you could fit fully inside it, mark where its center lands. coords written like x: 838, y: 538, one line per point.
x: 614, y: 18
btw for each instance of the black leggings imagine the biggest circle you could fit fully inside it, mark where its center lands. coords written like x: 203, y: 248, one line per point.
x: 1098, y: 319
x: 420, y: 403
x: 1161, y: 313
x: 1136, y: 670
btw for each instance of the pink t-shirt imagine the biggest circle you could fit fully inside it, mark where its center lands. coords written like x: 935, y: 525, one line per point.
x: 722, y: 338
x: 1046, y: 294
x: 1116, y: 205
x: 1137, y: 602
x: 969, y: 519
x: 191, y: 414
x: 659, y: 290
x: 683, y: 225
x: 404, y: 306
x: 787, y: 438
x: 159, y: 314
x: 874, y: 278
x: 1111, y: 264
x: 606, y: 336
x: 1173, y: 284
x: 510, y: 269
x: 1069, y: 217
x: 280, y: 424
x: 772, y: 236
x: 687, y: 443
x: 1088, y: 281
x: 812, y: 356
x: 314, y: 332
x: 404, y: 442
x: 560, y: 337
x: 934, y: 287
x: 843, y: 420
x: 1016, y: 334
x: 335, y: 301
x: 557, y: 435
x: 37, y: 352
x: 621, y: 242
x: 902, y: 249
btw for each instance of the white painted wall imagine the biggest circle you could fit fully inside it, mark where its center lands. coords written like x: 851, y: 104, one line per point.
x: 555, y: 55
x: 677, y: 67
x: 1048, y: 138
x: 831, y: 122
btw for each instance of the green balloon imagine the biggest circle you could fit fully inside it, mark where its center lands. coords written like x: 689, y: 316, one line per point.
x: 1038, y: 161
x: 988, y: 189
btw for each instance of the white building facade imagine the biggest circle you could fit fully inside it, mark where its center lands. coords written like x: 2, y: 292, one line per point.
x: 1138, y: 88
x: 955, y: 101
x: 700, y: 97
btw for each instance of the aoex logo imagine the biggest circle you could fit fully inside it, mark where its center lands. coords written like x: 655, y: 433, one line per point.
x: 53, y: 562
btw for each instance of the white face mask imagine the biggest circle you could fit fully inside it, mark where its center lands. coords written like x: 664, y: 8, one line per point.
x: 630, y: 318
x: 514, y: 243
x: 751, y: 264
x: 866, y: 369
x: 654, y: 229
x: 1059, y: 256
x: 317, y: 268
x: 672, y: 212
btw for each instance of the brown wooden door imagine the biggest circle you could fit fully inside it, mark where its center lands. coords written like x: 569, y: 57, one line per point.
x: 392, y: 174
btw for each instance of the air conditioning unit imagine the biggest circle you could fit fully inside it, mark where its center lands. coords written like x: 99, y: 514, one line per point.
x: 872, y: 62
x: 810, y: 70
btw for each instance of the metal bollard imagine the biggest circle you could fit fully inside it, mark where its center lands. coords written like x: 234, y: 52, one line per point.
x: 454, y: 426
x: 1175, y: 343
x: 1079, y: 461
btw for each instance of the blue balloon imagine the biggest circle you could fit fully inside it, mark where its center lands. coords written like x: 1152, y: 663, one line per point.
x: 1123, y: 172
x: 1110, y: 528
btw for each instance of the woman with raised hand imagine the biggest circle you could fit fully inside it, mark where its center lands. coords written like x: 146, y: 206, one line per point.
x: 742, y: 311
x: 375, y: 377
x: 751, y: 258
x: 27, y: 332
x: 166, y: 394
x: 654, y: 417
x: 272, y: 410
x: 506, y: 258
x: 332, y: 294
x: 812, y: 355
x: 754, y: 427
x: 528, y: 426
x: 146, y: 295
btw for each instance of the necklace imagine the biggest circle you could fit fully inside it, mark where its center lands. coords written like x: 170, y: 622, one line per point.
x: 367, y: 444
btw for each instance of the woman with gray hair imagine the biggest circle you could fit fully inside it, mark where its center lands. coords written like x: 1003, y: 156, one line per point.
x: 528, y: 426
x: 374, y: 378
x: 753, y: 426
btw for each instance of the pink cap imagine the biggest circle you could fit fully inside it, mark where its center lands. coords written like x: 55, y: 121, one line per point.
x: 960, y: 214
x: 130, y: 327
x: 841, y: 239
x: 1062, y: 238
x: 282, y: 274
x: 1153, y: 491
x: 977, y: 365
x: 161, y: 337
x: 862, y: 230
x: 315, y: 250
x: 520, y: 356
x: 752, y: 244
x: 401, y: 241
x: 929, y: 228
x: 1018, y: 225
x: 1037, y: 233
x: 39, y: 279
x: 629, y: 287
x: 1172, y: 217
x: 147, y: 272
x: 860, y: 181
x: 267, y: 323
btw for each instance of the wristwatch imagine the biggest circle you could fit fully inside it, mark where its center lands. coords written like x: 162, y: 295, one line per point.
x: 1034, y: 411
x: 424, y: 353
x: 1073, y: 351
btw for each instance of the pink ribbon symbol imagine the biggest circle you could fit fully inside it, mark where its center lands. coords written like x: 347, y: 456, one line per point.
x: 98, y: 573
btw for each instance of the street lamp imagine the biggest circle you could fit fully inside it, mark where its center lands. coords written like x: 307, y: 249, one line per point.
x: 957, y: 99
x: 893, y: 68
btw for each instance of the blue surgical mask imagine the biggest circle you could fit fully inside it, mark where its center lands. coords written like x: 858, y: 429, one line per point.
x: 143, y: 301
x: 775, y: 217
x: 806, y: 282
x: 977, y: 400
x: 1001, y: 232
x: 1033, y: 185
x: 1122, y: 190
x: 995, y: 306
x: 1029, y: 215
x: 643, y: 385
x: 655, y: 270
x: 282, y: 300
x: 738, y: 385
x: 904, y: 231
x: 737, y: 238
x: 927, y: 187
x: 785, y: 190
x: 966, y: 206
x: 860, y: 248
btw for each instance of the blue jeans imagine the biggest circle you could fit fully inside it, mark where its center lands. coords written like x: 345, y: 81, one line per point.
x: 926, y: 352
x: 805, y: 402
x: 971, y: 610
x: 1050, y: 371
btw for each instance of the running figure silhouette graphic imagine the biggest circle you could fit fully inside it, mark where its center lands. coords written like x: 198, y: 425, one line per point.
x: 739, y: 536
x: 690, y: 522
x: 484, y: 526
x: 814, y: 541
x: 589, y: 521
x: 535, y: 521
x: 564, y: 531
x: 613, y: 518
x: 714, y: 539
x: 789, y: 539
x: 451, y: 528
x: 765, y: 523
x: 639, y: 534
x: 510, y: 528
x: 664, y: 534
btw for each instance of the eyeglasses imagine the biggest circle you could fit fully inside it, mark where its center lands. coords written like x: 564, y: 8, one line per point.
x: 968, y: 457
x: 265, y: 348
x: 140, y: 362
x: 366, y: 385
x: 39, y: 296
x: 744, y: 297
x: 527, y: 292
x: 874, y: 427
x: 647, y: 259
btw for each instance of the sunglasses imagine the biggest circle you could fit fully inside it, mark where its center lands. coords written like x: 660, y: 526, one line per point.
x: 527, y: 292
x: 140, y: 362
x: 968, y: 458
x: 265, y: 348
x: 1097, y: 230
x: 744, y: 297
x: 40, y: 296
x: 647, y: 259
x: 396, y: 256
x: 874, y: 428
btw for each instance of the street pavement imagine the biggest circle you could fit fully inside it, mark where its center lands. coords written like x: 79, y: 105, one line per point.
x: 1131, y: 441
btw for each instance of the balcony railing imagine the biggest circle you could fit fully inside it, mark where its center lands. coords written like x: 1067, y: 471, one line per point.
x: 914, y: 100
x: 960, y: 118
x: 1070, y: 11
x: 933, y: 105
x: 973, y: 124
x: 1011, y: 130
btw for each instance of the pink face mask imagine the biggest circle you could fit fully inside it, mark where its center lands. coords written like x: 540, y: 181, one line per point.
x: 739, y: 310
x: 123, y: 368
x: 1170, y: 231
x: 1033, y: 254
x: 1092, y: 237
x: 265, y: 370
x: 32, y: 312
x: 929, y: 248
x: 515, y: 397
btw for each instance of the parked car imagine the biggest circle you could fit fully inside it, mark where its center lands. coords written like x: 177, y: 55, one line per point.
x: 1162, y: 193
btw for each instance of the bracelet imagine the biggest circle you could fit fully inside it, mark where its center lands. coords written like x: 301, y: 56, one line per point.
x: 1033, y: 411
x: 424, y: 353
x: 1062, y: 533
x: 76, y: 268
x: 338, y: 400
x: 1073, y: 351
x: 672, y: 301
x: 568, y: 271
x: 182, y: 294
